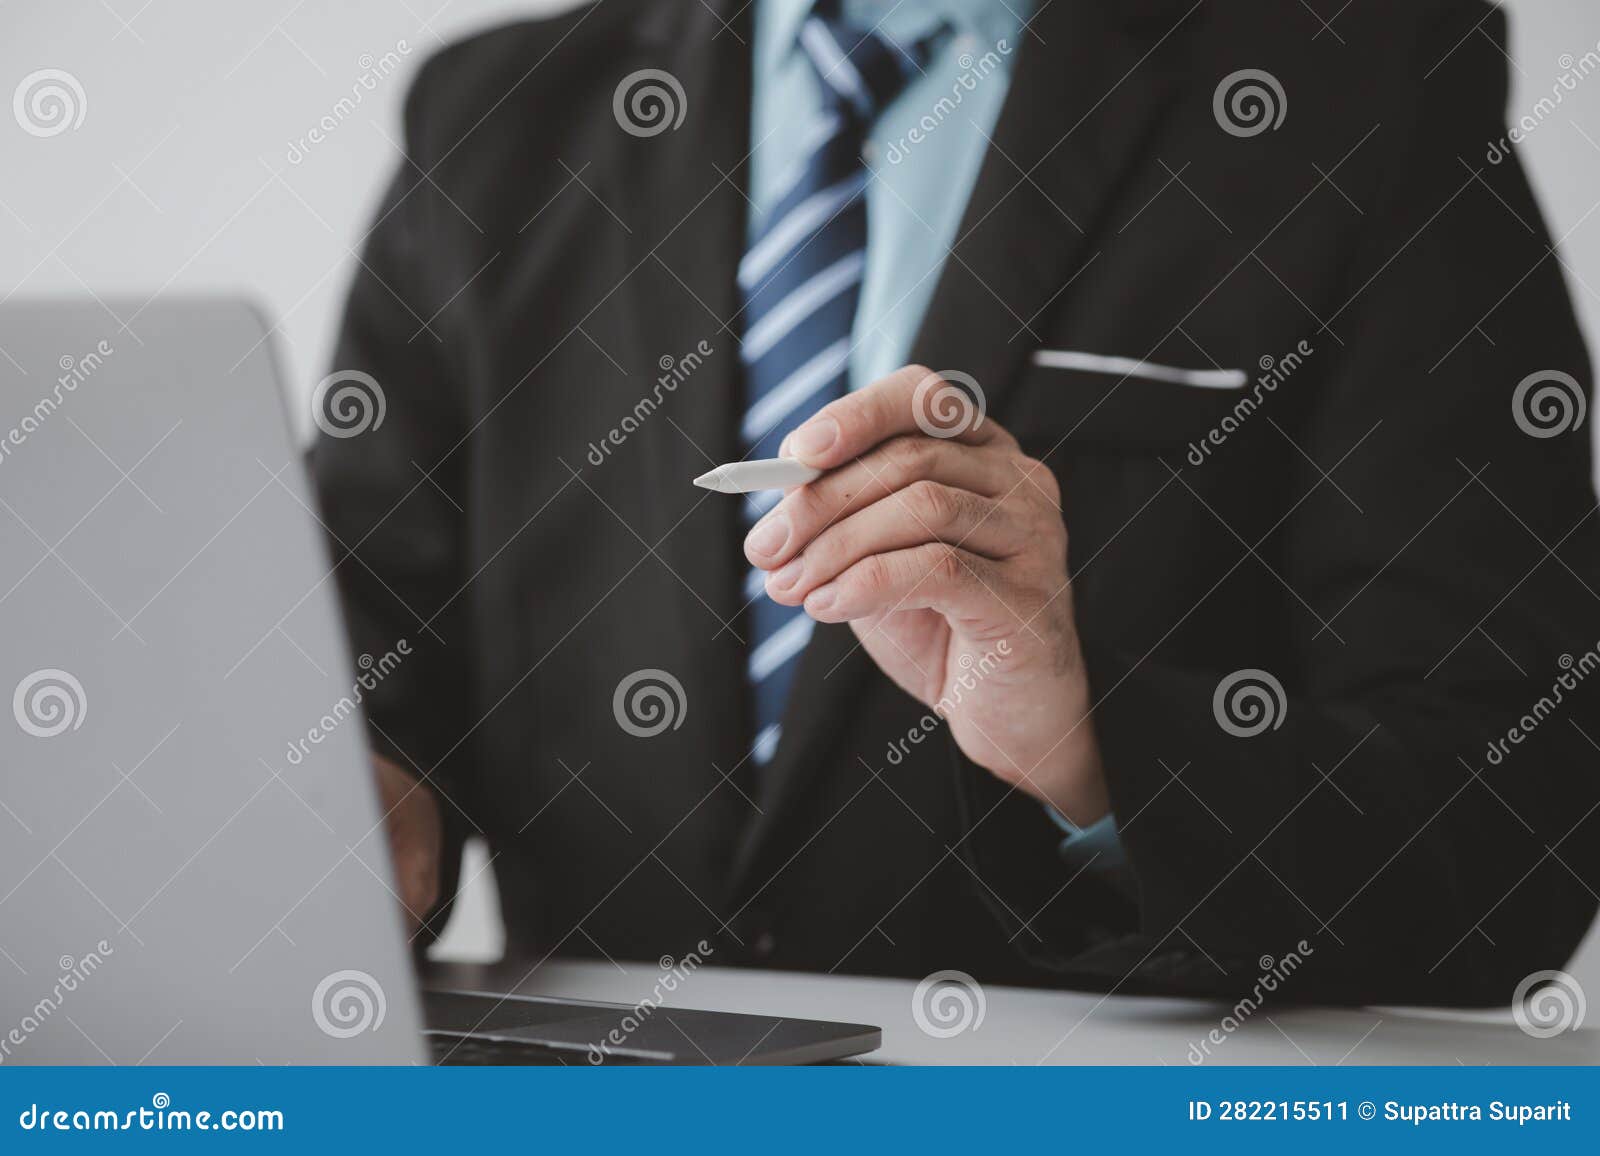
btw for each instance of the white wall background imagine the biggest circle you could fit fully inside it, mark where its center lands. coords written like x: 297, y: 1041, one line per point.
x: 180, y: 176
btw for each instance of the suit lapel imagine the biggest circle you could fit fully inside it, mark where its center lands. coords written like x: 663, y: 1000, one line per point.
x: 1086, y: 91
x: 682, y: 258
x: 687, y: 226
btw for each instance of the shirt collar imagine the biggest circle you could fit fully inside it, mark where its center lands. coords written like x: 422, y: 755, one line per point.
x: 905, y: 20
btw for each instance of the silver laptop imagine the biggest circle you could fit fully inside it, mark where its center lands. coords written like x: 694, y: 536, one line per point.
x: 192, y: 863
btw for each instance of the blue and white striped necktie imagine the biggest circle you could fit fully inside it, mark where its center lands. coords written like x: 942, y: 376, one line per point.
x: 799, y: 283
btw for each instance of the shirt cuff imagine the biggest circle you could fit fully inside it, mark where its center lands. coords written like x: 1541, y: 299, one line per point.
x: 1097, y: 843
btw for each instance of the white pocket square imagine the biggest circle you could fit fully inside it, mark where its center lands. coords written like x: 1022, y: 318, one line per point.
x: 1129, y: 367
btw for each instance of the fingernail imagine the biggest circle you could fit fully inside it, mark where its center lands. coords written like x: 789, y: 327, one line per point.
x: 786, y: 577
x: 768, y: 536
x: 819, y: 600
x: 814, y: 437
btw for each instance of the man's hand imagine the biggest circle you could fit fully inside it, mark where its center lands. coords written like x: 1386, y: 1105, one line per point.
x: 944, y: 548
x: 411, y: 814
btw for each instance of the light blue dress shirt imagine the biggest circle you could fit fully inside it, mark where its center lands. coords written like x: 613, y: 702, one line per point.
x: 925, y: 151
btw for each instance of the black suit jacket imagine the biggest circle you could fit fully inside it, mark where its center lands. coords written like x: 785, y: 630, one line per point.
x: 1379, y: 533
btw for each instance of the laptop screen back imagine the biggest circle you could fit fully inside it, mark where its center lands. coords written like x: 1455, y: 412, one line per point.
x: 192, y: 862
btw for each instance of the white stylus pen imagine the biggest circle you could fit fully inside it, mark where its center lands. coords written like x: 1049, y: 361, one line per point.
x: 747, y: 477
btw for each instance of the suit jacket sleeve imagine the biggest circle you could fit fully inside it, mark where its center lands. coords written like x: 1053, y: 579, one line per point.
x: 392, y: 494
x: 1370, y: 829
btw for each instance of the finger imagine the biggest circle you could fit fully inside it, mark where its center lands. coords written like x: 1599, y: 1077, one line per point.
x: 910, y: 400
x: 922, y: 512
x: 408, y: 880
x: 933, y: 576
x: 806, y: 510
x: 422, y: 890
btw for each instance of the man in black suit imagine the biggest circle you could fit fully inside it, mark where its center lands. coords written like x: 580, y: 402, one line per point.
x: 1296, y: 407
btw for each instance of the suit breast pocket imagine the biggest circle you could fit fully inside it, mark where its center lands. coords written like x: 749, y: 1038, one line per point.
x: 1105, y: 403
x: 1151, y: 532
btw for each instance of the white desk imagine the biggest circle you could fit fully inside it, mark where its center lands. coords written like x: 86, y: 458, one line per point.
x: 1026, y: 1025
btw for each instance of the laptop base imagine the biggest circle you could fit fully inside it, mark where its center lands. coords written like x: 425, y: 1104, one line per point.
x: 466, y: 1027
